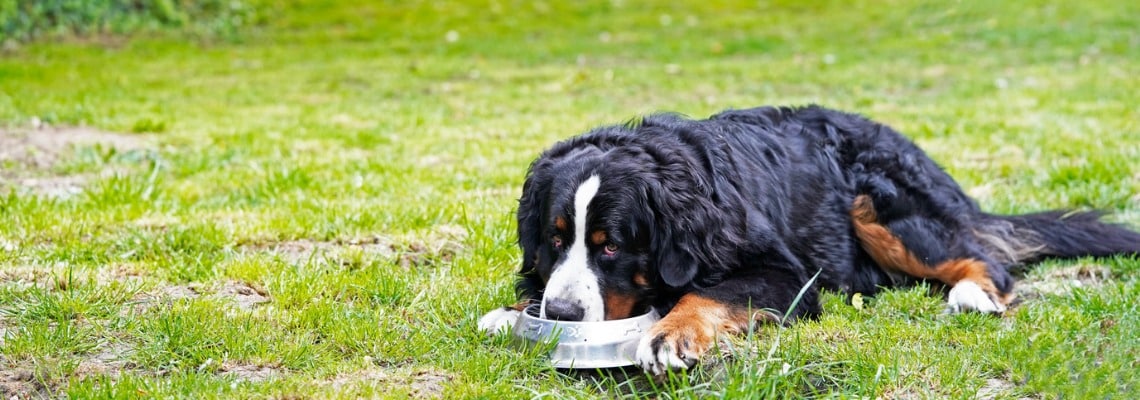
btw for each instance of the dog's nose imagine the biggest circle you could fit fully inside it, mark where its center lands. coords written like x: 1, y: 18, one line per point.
x: 564, y: 310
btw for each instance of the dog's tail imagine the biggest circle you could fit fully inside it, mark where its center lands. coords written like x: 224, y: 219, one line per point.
x: 1016, y: 239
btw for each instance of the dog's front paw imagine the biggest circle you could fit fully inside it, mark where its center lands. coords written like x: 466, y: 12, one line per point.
x: 670, y: 346
x: 688, y: 331
x: 968, y: 296
x: 498, y: 320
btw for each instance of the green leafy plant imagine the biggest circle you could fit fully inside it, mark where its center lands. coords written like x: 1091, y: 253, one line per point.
x: 23, y: 20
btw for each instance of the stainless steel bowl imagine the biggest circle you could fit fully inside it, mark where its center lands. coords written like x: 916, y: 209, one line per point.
x: 586, y: 345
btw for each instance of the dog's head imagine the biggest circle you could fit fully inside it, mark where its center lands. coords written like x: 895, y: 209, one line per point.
x: 611, y: 223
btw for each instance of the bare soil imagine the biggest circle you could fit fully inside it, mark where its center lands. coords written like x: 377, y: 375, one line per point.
x: 18, y: 383
x: 29, y: 155
x: 424, y: 384
x: 250, y: 372
x: 243, y: 296
x: 1062, y: 281
x: 109, y: 360
x: 997, y: 389
x: 440, y: 245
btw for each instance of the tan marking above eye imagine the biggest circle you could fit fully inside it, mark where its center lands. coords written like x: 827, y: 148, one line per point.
x: 640, y: 279
x: 560, y: 223
x: 598, y: 237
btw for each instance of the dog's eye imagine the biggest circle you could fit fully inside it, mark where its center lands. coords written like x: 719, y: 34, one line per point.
x: 611, y: 248
x: 556, y: 241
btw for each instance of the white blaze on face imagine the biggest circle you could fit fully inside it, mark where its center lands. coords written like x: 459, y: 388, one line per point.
x: 573, y: 280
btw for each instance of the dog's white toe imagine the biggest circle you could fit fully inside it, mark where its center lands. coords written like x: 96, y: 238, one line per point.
x: 658, y: 356
x: 968, y: 296
x: 498, y: 319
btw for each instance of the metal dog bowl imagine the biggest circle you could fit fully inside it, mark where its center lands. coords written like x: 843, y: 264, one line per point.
x: 586, y: 345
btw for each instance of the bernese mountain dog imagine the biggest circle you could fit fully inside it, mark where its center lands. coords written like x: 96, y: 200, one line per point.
x: 742, y: 218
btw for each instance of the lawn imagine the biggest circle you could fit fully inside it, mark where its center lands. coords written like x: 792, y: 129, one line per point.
x: 322, y: 205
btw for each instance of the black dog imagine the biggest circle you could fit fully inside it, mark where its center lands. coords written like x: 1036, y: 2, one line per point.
x: 720, y: 223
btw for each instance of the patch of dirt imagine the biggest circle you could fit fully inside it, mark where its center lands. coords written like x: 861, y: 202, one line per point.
x: 20, y: 384
x: 993, y: 388
x: 422, y: 384
x: 440, y: 245
x: 427, y: 253
x: 348, y: 379
x: 16, y: 384
x: 303, y: 250
x: 38, y: 149
x: 49, y: 277
x: 110, y: 360
x: 23, y: 276
x: 429, y: 384
x: 249, y: 372
x: 179, y: 292
x: 144, y: 301
x: 124, y: 274
x: 19, y: 381
x: 61, y: 276
x: 243, y: 295
x: 907, y: 393
x: 1062, y: 281
x: 997, y: 388
x: 44, y: 146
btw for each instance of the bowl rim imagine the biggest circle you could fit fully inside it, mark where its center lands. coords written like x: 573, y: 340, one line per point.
x: 534, y: 317
x: 591, y: 345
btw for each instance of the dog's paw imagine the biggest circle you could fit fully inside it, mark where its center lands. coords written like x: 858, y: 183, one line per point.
x: 968, y: 296
x: 498, y: 320
x: 671, y: 348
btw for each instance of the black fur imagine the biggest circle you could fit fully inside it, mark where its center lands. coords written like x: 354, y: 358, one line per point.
x: 746, y: 206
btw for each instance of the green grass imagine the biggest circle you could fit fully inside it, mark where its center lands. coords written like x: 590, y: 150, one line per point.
x: 23, y: 20
x: 325, y: 158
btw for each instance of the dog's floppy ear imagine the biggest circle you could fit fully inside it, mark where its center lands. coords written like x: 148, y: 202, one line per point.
x: 675, y: 264
x: 532, y: 206
x: 697, y: 225
x: 689, y: 235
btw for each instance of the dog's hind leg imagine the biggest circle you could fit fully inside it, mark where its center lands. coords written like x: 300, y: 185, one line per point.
x: 926, y: 249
